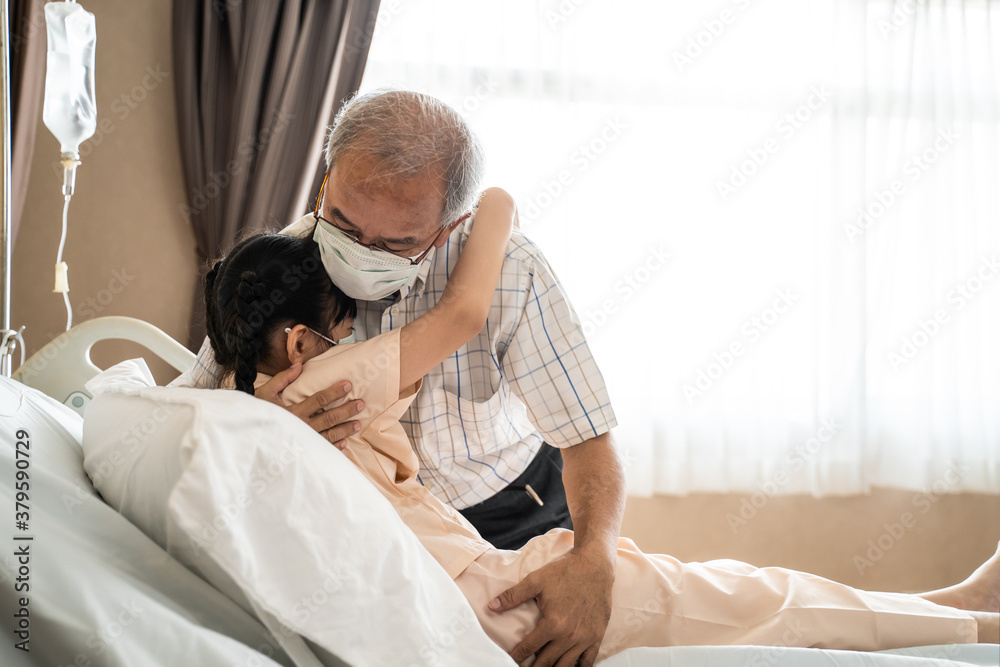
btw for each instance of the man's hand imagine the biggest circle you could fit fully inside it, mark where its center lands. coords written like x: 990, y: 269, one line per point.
x: 331, y: 424
x: 574, y: 595
x: 574, y: 592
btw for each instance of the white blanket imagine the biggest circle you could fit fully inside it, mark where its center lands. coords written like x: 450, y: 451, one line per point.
x: 273, y: 515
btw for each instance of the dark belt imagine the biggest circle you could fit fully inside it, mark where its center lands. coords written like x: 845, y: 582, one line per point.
x: 533, y: 504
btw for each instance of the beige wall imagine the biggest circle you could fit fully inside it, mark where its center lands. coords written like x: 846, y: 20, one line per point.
x: 129, y: 250
x: 125, y: 218
x: 949, y: 535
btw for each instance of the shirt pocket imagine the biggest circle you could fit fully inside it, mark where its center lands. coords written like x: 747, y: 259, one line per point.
x: 476, y: 430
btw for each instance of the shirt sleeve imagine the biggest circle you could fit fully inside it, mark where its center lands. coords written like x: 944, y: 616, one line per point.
x: 385, y: 434
x: 203, y: 374
x: 550, y: 366
x: 372, y: 368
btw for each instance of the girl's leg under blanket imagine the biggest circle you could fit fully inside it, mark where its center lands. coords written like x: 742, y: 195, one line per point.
x: 659, y: 601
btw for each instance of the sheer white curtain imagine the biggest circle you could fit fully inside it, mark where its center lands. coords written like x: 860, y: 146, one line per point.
x: 695, y: 174
x: 931, y: 261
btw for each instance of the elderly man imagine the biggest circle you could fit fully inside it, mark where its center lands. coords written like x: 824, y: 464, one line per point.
x: 514, y: 429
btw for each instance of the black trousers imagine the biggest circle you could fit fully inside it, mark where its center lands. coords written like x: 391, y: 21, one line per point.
x: 512, y: 517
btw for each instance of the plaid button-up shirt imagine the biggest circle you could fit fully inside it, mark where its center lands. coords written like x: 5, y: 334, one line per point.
x: 527, y: 378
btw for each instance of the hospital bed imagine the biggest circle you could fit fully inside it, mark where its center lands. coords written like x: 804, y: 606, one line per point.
x: 94, y: 589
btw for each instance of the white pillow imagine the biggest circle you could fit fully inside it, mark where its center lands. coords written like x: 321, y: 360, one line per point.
x: 266, y: 509
x: 99, y: 591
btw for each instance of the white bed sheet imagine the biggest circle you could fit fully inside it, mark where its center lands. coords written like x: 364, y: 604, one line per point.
x: 953, y: 655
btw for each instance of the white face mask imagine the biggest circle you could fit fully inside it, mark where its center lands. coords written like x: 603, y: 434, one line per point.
x: 360, y: 272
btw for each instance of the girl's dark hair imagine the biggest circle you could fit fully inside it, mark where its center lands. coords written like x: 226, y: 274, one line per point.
x: 267, y: 282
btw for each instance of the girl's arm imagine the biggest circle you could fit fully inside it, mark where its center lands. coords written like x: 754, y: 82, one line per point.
x: 462, y: 310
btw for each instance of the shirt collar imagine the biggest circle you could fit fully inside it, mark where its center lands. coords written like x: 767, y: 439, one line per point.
x: 418, y: 285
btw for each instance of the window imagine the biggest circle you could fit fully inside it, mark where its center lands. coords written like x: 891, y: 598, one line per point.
x: 779, y: 222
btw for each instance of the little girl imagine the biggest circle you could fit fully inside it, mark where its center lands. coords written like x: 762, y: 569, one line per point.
x: 270, y: 304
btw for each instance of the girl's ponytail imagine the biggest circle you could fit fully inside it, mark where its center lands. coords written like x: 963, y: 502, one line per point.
x: 249, y: 321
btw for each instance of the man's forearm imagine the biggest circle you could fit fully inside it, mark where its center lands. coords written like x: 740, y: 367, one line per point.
x: 595, y: 492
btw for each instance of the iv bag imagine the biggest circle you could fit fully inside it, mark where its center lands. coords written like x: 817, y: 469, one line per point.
x: 70, y: 110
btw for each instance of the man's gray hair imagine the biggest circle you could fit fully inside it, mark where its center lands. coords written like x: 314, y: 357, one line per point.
x: 408, y: 133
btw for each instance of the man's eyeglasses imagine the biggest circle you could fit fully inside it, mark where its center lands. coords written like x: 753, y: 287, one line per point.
x: 378, y: 246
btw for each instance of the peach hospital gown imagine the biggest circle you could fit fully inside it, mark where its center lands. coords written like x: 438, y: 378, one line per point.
x: 656, y: 599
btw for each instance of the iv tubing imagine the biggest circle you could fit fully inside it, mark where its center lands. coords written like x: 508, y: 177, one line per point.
x: 62, y: 284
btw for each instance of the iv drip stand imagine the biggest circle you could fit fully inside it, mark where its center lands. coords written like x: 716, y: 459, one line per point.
x: 9, y: 342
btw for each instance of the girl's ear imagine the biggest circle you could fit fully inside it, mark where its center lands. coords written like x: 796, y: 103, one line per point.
x: 295, y: 345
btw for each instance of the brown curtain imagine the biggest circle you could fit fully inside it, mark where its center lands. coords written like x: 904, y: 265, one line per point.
x: 27, y: 87
x: 257, y: 82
